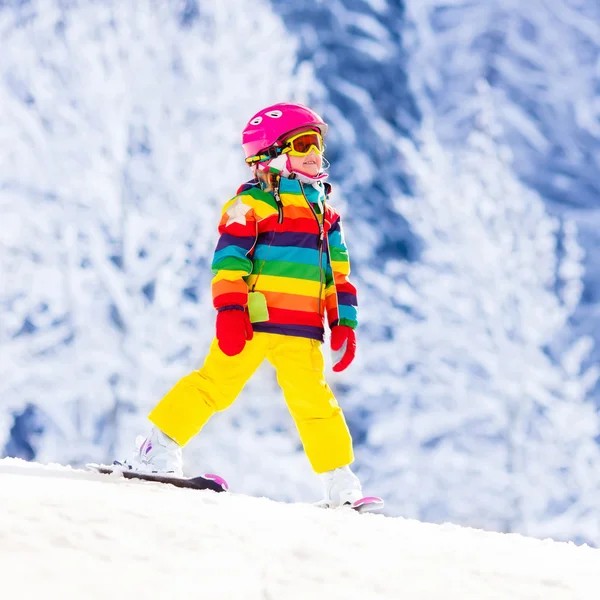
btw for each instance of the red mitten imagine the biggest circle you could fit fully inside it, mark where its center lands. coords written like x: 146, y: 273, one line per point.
x: 343, y: 346
x: 233, y: 329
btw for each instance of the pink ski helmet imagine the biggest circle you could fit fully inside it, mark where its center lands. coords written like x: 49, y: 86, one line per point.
x: 272, y: 124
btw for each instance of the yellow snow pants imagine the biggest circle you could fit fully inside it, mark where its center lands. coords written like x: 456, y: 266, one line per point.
x: 300, y: 369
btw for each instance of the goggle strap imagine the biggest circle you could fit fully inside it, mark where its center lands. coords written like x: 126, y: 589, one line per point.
x: 272, y: 152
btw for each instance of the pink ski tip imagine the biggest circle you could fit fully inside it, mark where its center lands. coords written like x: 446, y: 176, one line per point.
x: 367, y: 500
x: 217, y: 479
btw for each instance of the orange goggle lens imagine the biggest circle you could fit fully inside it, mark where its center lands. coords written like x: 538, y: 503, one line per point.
x: 303, y: 143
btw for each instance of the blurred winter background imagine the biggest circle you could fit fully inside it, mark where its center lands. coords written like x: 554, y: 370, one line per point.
x: 465, y: 158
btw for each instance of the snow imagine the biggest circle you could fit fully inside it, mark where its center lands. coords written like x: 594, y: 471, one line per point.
x: 72, y: 534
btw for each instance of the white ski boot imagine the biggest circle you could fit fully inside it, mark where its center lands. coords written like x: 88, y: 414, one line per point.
x: 157, y: 453
x: 341, y: 487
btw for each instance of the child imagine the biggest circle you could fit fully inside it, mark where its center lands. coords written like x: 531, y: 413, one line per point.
x: 280, y: 265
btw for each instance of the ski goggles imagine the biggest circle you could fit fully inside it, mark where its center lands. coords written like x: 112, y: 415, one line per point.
x: 304, y: 143
x: 300, y: 144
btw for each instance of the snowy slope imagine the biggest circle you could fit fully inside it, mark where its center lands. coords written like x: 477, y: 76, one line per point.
x: 72, y: 534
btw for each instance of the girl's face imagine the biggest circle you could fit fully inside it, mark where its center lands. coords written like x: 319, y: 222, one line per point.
x: 310, y: 164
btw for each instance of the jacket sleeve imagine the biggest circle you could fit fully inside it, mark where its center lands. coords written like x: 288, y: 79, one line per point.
x: 232, y: 260
x: 340, y: 294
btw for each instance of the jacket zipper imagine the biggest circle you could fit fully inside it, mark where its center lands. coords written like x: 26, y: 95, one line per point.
x: 319, y: 243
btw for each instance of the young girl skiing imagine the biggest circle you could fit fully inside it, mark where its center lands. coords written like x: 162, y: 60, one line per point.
x: 280, y: 267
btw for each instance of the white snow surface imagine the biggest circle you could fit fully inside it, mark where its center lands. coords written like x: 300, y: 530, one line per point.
x: 72, y: 534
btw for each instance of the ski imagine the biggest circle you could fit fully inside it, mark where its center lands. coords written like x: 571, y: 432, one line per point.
x: 367, y: 504
x: 362, y: 505
x: 217, y: 484
x: 204, y: 482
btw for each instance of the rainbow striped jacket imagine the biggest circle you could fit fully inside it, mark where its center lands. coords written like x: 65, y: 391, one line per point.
x: 295, y: 254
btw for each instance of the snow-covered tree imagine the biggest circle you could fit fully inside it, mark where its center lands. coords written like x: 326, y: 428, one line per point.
x: 383, y: 66
x: 477, y: 423
x: 120, y: 125
x: 361, y: 63
x: 540, y: 59
x: 121, y: 128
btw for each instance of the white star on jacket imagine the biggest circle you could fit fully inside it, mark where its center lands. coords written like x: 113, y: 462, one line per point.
x: 237, y: 212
